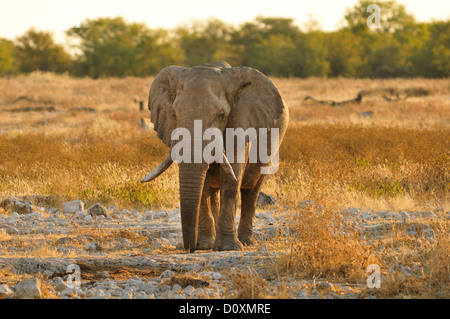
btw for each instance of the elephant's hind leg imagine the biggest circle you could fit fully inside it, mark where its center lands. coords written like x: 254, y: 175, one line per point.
x: 214, y: 195
x: 248, y: 207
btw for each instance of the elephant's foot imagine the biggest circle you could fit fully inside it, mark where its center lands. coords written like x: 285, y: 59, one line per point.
x: 227, y: 243
x: 247, y: 240
x: 205, y: 242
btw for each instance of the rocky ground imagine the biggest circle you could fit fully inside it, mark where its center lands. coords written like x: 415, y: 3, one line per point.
x: 76, y: 251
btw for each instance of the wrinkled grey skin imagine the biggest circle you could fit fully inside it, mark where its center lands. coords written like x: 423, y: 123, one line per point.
x: 222, y: 97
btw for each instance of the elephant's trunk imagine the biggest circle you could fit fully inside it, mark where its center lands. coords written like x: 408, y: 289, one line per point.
x: 192, y: 178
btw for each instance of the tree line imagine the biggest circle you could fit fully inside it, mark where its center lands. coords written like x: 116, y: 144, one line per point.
x: 104, y: 47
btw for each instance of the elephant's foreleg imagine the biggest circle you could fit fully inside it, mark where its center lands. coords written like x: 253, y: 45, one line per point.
x: 248, y: 207
x: 226, y: 238
x: 206, y: 223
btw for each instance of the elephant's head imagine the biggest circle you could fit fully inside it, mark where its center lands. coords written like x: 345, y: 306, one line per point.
x: 221, y: 97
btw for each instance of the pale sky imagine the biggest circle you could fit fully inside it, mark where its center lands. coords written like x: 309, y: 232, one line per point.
x: 17, y: 16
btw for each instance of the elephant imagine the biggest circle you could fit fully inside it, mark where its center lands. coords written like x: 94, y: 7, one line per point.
x: 221, y: 97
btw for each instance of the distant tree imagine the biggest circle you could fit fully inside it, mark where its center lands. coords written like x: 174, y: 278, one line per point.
x: 384, y: 51
x: 276, y: 55
x: 269, y: 44
x: 114, y: 47
x: 276, y: 46
x: 156, y: 51
x: 204, y: 41
x: 393, y: 17
x: 432, y: 57
x: 37, y: 50
x: 344, y: 54
x: 312, y: 50
x: 8, y: 64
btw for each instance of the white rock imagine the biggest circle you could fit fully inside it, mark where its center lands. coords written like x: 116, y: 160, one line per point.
x: 5, y: 292
x: 421, y: 230
x: 211, y: 275
x: 160, y: 214
x: 34, y: 216
x: 135, y: 213
x: 134, y: 283
x: 73, y: 206
x: 68, y: 292
x: 102, y: 275
x: 91, y: 247
x: 268, y: 216
x: 59, y: 284
x: 188, y: 290
x: 314, y: 294
x: 265, y: 199
x: 368, y: 215
x: 126, y: 295
x: 117, y: 215
x: 28, y: 289
x: 174, y: 216
x: 10, y: 230
x: 301, y: 294
x: 403, y: 215
x: 88, y: 219
x: 80, y: 214
x: 166, y: 274
x: 176, y: 288
x: 51, y: 210
x: 148, y: 214
x: 61, y: 222
x: 97, y: 210
x: 13, y: 219
x: 353, y: 211
x: 323, y: 285
x: 199, y: 292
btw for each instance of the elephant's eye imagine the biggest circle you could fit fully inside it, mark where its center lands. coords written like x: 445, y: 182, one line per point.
x: 221, y: 115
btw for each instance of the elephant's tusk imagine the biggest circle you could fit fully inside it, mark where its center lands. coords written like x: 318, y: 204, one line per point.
x: 159, y: 170
x: 227, y: 167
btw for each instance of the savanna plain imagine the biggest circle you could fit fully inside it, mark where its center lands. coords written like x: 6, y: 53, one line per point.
x: 360, y: 183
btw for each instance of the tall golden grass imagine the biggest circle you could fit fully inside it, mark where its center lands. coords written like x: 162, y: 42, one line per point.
x: 360, y: 166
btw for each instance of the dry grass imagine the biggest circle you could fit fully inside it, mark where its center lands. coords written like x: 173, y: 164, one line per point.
x: 324, y: 244
x: 380, y: 168
x: 249, y: 284
x: 421, y: 111
x: 78, y: 139
x: 91, y: 170
x: 428, y: 258
x: 374, y: 167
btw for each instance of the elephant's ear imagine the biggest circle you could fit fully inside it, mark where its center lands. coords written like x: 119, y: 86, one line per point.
x: 255, y: 101
x: 160, y: 100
